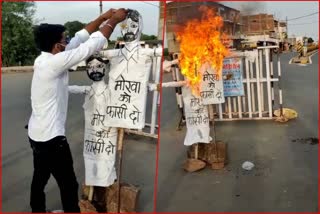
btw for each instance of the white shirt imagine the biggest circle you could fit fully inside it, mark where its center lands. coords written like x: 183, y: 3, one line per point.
x: 49, y: 88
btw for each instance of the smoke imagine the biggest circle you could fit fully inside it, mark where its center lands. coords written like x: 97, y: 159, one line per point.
x: 250, y: 8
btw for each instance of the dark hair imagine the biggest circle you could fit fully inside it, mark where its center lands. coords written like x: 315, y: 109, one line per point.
x: 47, y: 35
x: 91, y: 58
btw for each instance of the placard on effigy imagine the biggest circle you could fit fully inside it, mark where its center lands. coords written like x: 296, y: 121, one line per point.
x: 197, y: 119
x: 211, y: 89
x: 128, y: 81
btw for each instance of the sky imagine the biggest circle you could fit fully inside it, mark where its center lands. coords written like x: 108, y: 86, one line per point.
x: 61, y: 12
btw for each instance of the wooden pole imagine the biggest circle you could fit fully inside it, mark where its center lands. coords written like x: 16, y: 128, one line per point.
x: 90, y: 196
x: 120, y: 149
x: 100, y: 6
x: 196, y: 151
x: 214, y: 134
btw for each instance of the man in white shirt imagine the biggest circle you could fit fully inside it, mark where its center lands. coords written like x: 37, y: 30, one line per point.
x: 49, y: 100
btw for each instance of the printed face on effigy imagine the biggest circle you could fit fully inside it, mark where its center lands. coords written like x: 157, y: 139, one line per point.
x: 131, y: 27
x: 96, y: 69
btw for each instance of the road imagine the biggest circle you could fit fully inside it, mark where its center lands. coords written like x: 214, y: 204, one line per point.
x: 139, y: 152
x: 285, y: 177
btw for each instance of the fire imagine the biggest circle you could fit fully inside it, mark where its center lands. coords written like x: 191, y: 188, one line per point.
x: 201, y: 45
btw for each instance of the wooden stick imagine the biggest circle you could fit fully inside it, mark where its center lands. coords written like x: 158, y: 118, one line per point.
x: 214, y: 136
x: 90, y: 196
x: 196, y: 151
x: 120, y: 149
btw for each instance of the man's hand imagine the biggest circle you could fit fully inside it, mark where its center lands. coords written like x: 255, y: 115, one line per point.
x: 119, y: 15
x: 107, y: 15
x: 94, y: 25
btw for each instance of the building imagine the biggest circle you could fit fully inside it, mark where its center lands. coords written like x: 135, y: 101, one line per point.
x: 178, y: 13
x: 161, y: 20
x: 263, y: 24
x: 258, y: 24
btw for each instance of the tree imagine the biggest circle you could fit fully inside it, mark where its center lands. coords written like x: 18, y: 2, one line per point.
x: 119, y: 38
x: 18, y: 46
x: 73, y: 27
x: 310, y: 40
x: 144, y: 37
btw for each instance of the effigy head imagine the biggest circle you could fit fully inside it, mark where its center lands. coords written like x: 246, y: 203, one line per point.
x: 96, y: 67
x: 131, y: 27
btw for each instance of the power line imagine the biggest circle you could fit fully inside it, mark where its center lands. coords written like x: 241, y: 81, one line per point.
x: 304, y: 23
x: 303, y: 16
x: 150, y: 4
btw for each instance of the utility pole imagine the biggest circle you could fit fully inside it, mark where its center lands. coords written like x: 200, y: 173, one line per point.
x: 161, y: 23
x: 100, y: 5
x: 287, y: 26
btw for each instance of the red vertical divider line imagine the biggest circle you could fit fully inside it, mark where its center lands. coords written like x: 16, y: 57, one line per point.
x: 1, y: 109
x: 318, y: 115
x: 159, y: 109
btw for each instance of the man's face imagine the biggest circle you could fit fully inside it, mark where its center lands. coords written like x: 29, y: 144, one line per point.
x: 63, y: 43
x: 96, y: 70
x: 130, y: 27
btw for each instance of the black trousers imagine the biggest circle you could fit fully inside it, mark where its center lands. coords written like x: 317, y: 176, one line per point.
x: 53, y: 157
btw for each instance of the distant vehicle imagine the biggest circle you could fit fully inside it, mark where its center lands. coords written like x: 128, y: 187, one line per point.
x: 252, y: 42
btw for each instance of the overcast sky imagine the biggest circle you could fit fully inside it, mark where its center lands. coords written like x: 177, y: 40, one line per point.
x: 61, y: 12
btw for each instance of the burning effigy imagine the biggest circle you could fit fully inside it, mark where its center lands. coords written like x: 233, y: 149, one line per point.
x: 202, y: 52
x: 202, y: 48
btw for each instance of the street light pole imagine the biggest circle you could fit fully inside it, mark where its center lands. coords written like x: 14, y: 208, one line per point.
x: 100, y: 5
x: 287, y: 26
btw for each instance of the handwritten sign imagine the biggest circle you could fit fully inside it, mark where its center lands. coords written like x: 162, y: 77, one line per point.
x: 211, y: 87
x: 233, y: 85
x: 128, y: 81
x: 197, y: 119
x: 100, y: 141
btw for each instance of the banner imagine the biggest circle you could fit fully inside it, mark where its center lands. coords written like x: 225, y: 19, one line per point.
x: 232, y: 70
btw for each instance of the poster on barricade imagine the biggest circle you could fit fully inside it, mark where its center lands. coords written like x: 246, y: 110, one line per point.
x: 232, y: 83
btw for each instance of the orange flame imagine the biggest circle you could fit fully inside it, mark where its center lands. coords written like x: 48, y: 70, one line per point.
x: 201, y: 43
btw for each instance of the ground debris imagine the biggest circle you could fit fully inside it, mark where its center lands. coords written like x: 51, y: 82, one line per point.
x: 310, y: 140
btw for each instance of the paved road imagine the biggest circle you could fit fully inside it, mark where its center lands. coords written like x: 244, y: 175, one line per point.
x: 139, y: 155
x: 286, y: 174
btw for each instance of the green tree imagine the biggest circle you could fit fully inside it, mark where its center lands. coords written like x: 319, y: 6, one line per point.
x: 119, y: 38
x: 310, y: 40
x: 144, y: 37
x: 18, y: 46
x: 73, y: 27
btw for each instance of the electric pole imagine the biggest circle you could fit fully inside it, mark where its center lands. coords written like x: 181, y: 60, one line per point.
x: 287, y: 26
x: 100, y: 5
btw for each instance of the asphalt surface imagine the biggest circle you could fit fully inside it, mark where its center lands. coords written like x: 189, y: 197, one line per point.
x: 285, y: 177
x: 139, y: 152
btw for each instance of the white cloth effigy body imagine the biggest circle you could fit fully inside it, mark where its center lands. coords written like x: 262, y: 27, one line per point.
x: 128, y: 80
x: 100, y: 141
x: 197, y: 119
